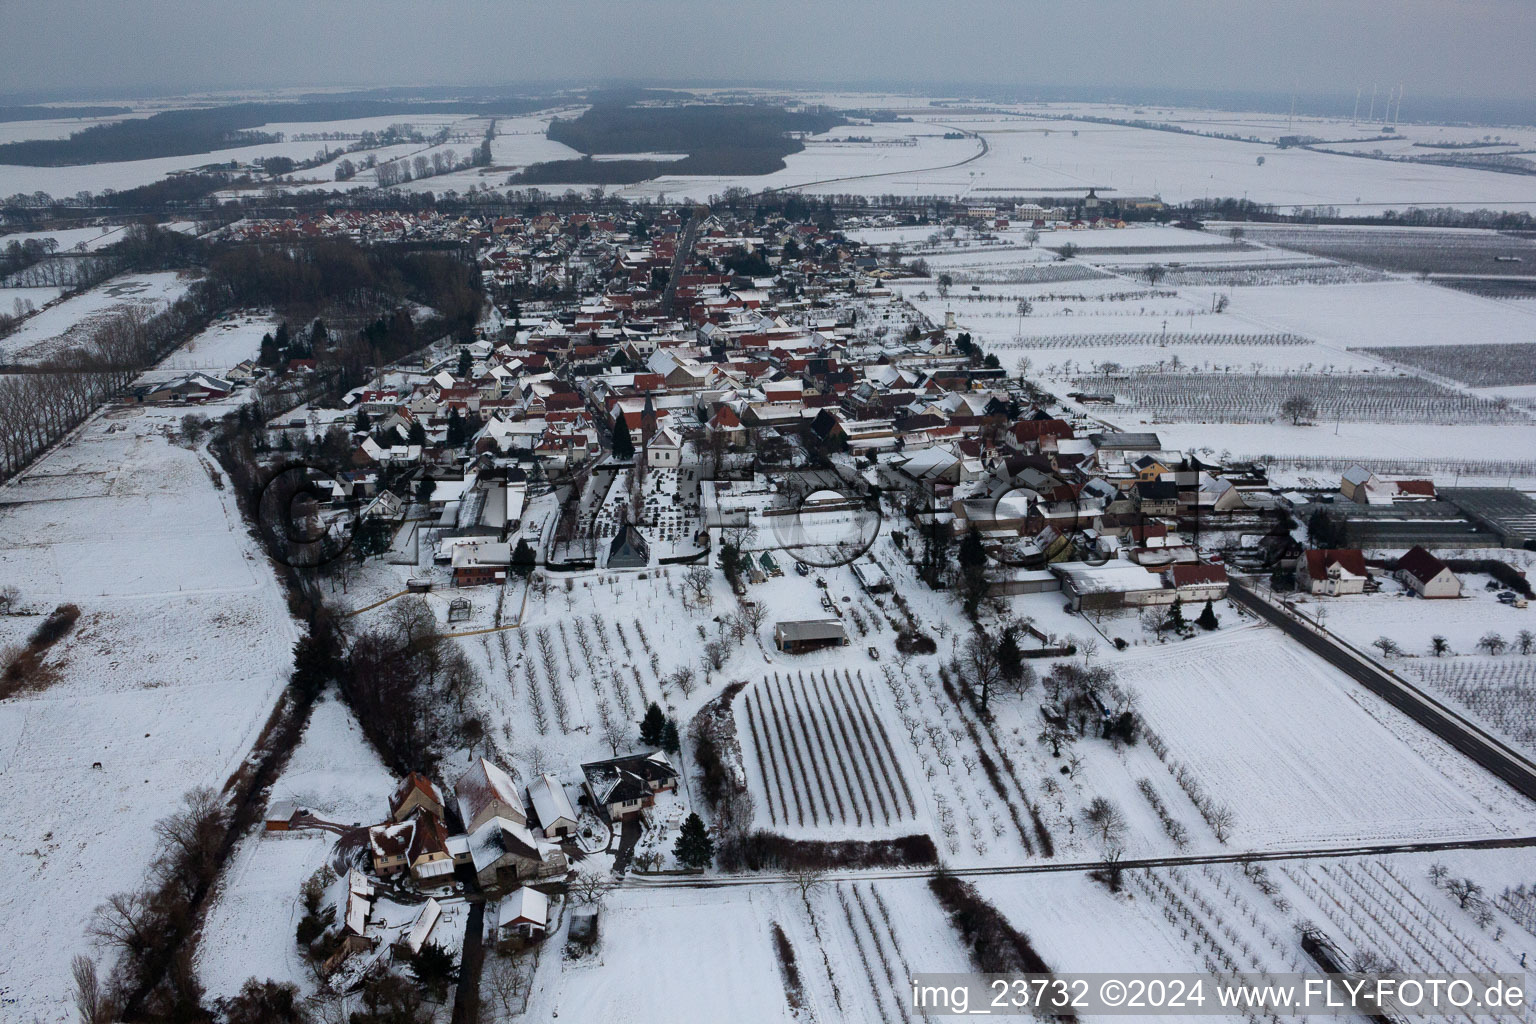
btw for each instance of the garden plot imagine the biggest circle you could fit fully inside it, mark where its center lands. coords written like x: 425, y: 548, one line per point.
x: 723, y: 942
x: 222, y: 345
x: 1302, y: 756
x: 1478, y: 366
x: 249, y: 930
x: 823, y: 756
x: 1249, y: 398
x: 183, y: 645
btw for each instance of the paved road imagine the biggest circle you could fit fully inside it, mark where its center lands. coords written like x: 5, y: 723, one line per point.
x: 1050, y: 866
x: 681, y: 256
x: 1454, y: 728
x: 466, y: 998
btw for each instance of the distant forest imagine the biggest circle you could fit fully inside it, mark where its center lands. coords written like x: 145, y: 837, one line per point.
x: 744, y: 139
x: 183, y: 132
x: 59, y: 113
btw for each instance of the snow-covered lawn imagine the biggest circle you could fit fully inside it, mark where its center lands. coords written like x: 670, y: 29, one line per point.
x: 222, y: 345
x: 181, y: 650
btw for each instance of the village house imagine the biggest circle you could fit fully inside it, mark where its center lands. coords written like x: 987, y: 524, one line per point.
x: 415, y: 793
x: 1426, y: 575
x: 485, y: 792
x: 1333, y: 572
x: 623, y: 787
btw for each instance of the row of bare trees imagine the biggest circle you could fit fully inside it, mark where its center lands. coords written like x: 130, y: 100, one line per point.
x: 43, y: 404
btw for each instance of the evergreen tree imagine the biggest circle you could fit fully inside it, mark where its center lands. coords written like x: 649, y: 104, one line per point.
x: 417, y: 434
x: 652, y: 726
x: 1010, y: 657
x: 455, y: 428
x: 623, y: 444
x: 318, y: 335
x: 364, y: 421
x: 424, y: 488
x: 670, y: 741
x: 269, y: 350
x: 282, y: 341
x: 1207, y: 619
x: 1175, y: 620
x: 433, y: 968
x: 694, y: 849
x: 466, y: 362
x: 972, y: 554
x: 522, y: 558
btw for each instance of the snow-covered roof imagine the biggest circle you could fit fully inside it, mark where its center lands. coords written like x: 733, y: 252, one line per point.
x: 549, y: 800
x: 425, y: 922
x: 526, y: 904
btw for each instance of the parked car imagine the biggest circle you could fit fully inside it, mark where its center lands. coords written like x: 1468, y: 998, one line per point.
x: 802, y: 569
x: 874, y: 653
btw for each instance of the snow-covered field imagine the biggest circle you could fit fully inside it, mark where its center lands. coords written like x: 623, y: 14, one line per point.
x: 1033, y: 155
x: 57, y: 328
x: 1305, y: 757
x: 181, y: 649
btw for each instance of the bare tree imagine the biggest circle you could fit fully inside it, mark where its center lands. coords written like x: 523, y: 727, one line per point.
x: 684, y: 679
x: 92, y: 1000
x: 505, y: 983
x: 591, y: 888
x: 1464, y: 891
x: 1298, y: 407
x: 1106, y: 820
x: 1222, y: 821
x: 697, y: 582
x: 807, y: 880
x: 613, y: 730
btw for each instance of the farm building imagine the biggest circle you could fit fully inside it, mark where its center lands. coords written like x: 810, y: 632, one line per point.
x: 1199, y: 582
x: 1427, y: 575
x: 485, y: 792
x: 556, y: 816
x: 1112, y: 585
x: 809, y: 635
x: 504, y: 852
x: 280, y: 816
x: 871, y: 577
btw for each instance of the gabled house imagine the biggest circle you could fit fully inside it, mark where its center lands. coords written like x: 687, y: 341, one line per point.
x: 556, y: 816
x: 1335, y: 571
x: 418, y: 845
x: 1426, y: 575
x: 524, y: 915
x: 623, y: 787
x: 415, y: 793
x: 485, y: 792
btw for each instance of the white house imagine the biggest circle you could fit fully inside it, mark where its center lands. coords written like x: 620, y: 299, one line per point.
x: 1427, y: 575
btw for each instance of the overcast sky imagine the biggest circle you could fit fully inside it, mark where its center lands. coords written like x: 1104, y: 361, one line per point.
x: 1460, y: 48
